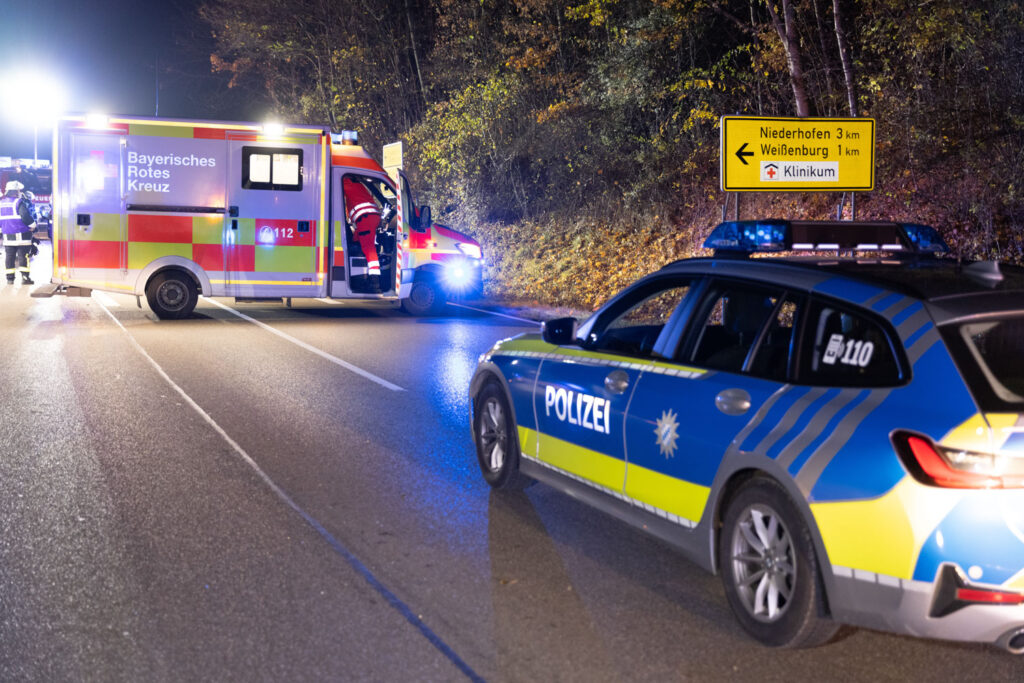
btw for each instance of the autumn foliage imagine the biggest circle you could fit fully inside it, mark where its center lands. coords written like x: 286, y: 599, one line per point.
x: 579, y: 141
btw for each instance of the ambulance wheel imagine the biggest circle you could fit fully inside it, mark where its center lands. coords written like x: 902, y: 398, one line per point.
x: 770, y: 571
x: 497, y: 444
x: 425, y: 298
x: 172, y: 295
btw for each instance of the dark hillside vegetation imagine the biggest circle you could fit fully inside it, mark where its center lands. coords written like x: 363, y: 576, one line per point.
x: 579, y: 141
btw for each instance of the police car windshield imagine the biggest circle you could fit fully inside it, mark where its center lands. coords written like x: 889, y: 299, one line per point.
x: 991, y: 354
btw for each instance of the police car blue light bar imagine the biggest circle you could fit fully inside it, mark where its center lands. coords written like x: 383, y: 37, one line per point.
x: 750, y: 236
x: 925, y: 238
x: 767, y: 236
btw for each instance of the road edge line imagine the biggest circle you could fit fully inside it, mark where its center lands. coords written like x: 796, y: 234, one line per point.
x: 393, y: 600
x: 500, y: 315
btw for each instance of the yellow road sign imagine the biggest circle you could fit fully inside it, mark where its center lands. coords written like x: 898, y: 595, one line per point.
x: 766, y: 154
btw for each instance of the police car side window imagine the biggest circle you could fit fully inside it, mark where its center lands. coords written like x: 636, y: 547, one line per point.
x: 732, y: 319
x: 635, y: 329
x: 771, y: 359
x: 846, y: 348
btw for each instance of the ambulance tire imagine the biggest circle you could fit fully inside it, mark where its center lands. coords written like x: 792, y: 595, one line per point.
x: 425, y: 298
x: 497, y: 440
x: 172, y: 295
x: 770, y: 570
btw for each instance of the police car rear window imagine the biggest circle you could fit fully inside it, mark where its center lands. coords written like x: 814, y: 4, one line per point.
x: 992, y: 353
x: 844, y: 348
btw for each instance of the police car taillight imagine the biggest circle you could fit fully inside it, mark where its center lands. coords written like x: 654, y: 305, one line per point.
x: 937, y: 465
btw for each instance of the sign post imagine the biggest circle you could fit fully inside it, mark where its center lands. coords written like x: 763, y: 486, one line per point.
x: 766, y: 154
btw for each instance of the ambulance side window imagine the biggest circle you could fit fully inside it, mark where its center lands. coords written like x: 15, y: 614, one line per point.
x: 410, y: 220
x: 271, y: 168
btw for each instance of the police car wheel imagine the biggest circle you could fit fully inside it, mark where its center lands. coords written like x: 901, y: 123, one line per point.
x: 172, y: 295
x: 770, y: 570
x: 425, y: 298
x: 497, y: 444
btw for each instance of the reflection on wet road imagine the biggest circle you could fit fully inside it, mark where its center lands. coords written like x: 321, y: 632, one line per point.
x: 359, y: 542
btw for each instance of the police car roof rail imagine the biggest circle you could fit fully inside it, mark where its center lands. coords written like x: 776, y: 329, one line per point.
x: 733, y: 239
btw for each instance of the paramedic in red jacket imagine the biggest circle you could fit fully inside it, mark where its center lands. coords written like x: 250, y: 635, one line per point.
x: 364, y: 215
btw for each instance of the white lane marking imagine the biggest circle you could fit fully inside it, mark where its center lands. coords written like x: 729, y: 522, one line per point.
x: 500, y: 315
x: 312, y: 349
x: 360, y: 567
x: 103, y: 298
x: 330, y: 301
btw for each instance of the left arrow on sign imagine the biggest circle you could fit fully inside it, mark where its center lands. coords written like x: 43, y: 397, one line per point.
x: 740, y: 154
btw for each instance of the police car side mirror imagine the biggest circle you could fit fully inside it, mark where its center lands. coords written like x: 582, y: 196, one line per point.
x: 559, y: 331
x: 424, y: 219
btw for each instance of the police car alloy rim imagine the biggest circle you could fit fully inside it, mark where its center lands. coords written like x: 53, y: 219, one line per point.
x: 764, y: 569
x: 492, y: 431
x: 172, y: 295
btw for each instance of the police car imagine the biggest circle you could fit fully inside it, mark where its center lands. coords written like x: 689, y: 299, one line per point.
x: 841, y: 438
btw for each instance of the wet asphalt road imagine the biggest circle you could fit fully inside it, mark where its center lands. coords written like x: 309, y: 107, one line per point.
x: 209, y: 500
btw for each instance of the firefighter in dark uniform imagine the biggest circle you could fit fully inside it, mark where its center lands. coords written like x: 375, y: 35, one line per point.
x: 16, y: 223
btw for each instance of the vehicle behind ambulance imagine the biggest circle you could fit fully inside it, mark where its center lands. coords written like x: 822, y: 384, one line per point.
x: 172, y: 209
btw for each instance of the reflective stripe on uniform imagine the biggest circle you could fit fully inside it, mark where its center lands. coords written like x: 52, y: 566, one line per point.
x: 10, y: 217
x: 360, y: 210
x: 19, y: 239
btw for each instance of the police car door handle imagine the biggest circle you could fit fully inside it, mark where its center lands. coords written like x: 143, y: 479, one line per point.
x: 616, y: 382
x: 733, y: 401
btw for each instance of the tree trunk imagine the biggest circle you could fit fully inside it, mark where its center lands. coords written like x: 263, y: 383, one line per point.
x: 415, y: 55
x: 825, y: 61
x: 844, y: 55
x: 786, y: 28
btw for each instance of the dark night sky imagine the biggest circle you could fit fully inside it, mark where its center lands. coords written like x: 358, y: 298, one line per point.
x: 104, y: 52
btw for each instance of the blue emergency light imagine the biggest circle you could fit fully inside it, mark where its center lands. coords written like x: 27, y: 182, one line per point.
x: 925, y: 238
x: 750, y: 236
x: 766, y: 236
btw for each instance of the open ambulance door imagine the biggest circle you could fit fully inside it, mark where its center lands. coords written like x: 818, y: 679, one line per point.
x: 348, y: 264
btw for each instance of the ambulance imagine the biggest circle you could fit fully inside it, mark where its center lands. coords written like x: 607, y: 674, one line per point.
x: 171, y: 209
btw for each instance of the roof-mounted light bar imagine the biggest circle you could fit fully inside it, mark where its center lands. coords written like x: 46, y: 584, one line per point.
x: 750, y: 236
x: 768, y: 236
x: 345, y: 137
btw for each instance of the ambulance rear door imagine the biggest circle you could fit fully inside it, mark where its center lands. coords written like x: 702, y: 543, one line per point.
x: 92, y: 245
